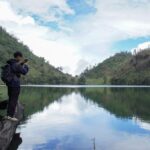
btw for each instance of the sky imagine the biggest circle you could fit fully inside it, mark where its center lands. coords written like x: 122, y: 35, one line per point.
x: 76, y: 34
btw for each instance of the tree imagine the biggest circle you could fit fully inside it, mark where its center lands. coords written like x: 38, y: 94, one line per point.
x: 82, y: 80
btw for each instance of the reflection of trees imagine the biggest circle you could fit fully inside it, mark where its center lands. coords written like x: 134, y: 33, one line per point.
x: 36, y: 99
x: 123, y: 102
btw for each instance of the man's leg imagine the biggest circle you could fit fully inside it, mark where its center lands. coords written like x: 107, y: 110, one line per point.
x: 9, y: 99
x: 13, y: 93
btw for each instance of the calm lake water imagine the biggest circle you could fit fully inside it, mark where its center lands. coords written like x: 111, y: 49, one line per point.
x: 84, y: 118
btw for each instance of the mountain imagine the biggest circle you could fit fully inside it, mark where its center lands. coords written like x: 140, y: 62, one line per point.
x: 136, y: 71
x: 103, y: 72
x: 41, y: 72
x: 121, y: 69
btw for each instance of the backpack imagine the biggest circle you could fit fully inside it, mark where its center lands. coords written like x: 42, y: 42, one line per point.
x: 6, y: 73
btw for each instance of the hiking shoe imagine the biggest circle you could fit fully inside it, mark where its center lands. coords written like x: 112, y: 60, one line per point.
x: 11, y: 118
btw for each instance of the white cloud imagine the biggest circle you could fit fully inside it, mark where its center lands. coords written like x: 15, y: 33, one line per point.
x: 115, y: 20
x: 54, y: 46
x: 81, y: 65
x: 142, y: 124
x: 140, y: 47
x: 144, y: 45
x: 46, y: 9
x: 89, y: 38
x: 8, y: 15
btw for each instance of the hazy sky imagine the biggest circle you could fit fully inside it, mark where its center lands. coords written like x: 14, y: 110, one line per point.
x: 77, y: 33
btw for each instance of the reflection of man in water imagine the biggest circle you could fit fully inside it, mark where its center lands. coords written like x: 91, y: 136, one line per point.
x: 16, y: 141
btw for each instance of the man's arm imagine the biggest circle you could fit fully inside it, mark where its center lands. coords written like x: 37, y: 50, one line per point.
x: 22, y: 69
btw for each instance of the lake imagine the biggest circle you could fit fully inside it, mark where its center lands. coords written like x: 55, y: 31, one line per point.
x: 87, y: 118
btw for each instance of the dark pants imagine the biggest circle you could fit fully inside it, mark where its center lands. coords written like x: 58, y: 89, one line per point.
x: 13, y: 93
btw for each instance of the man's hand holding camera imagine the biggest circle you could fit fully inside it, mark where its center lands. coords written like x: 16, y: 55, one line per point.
x: 24, y: 61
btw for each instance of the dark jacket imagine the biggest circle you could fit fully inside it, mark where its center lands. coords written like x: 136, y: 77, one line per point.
x: 18, y: 70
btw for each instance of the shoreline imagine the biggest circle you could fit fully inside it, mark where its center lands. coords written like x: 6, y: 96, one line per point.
x: 84, y: 86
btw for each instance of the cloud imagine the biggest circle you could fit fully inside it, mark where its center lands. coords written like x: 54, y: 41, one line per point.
x: 142, y: 124
x: 88, y: 38
x: 140, y: 47
x: 115, y: 20
x: 11, y: 16
x: 81, y: 65
x: 48, y: 10
x: 55, y: 46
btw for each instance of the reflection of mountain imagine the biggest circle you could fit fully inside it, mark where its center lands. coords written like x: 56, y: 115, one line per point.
x: 73, y: 121
x: 58, y: 125
x: 142, y: 124
x: 35, y: 99
x: 124, y: 103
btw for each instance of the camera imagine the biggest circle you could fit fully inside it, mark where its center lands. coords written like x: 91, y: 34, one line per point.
x: 24, y: 61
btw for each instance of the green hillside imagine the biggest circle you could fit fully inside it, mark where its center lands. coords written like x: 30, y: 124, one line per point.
x: 41, y: 72
x: 122, y: 102
x: 103, y: 72
x: 121, y: 69
x: 135, y: 71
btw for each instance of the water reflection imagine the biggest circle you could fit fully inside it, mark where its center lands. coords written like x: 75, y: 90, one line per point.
x: 36, y: 99
x: 16, y: 141
x: 60, y: 121
x: 68, y: 119
x: 124, y: 102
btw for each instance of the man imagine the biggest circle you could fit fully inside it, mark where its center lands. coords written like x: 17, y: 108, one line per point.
x: 18, y: 68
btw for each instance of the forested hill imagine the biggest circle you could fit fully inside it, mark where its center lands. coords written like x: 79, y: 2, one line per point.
x: 136, y: 71
x: 122, y: 68
x: 103, y: 72
x: 41, y: 72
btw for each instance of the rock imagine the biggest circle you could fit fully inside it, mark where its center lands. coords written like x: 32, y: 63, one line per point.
x: 8, y: 128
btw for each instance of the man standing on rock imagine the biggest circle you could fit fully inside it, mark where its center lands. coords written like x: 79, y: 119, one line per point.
x: 11, y: 74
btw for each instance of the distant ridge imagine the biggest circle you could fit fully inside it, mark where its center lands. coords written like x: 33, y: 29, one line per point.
x: 121, y: 69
